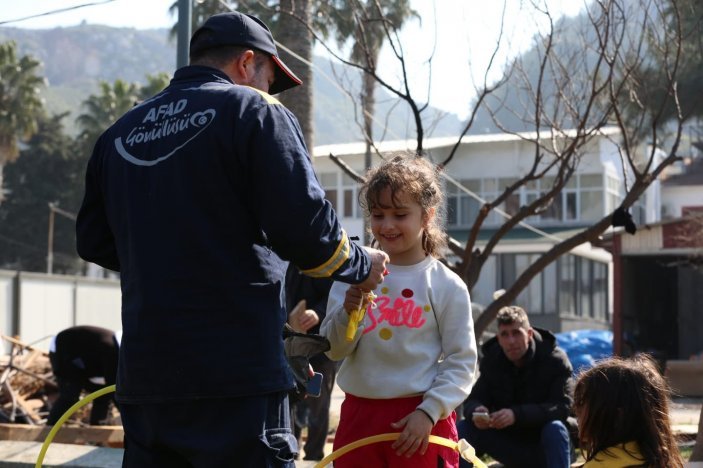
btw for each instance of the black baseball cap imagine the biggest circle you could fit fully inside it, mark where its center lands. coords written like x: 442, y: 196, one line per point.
x: 239, y: 29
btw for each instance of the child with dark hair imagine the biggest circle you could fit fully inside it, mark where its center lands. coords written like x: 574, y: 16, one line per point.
x: 623, y: 415
x: 411, y: 359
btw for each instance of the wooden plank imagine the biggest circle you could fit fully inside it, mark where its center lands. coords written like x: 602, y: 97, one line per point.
x: 106, y: 436
x: 19, y: 343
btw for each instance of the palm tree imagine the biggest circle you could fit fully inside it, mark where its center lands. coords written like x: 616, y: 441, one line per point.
x: 293, y: 29
x: 20, y: 102
x: 103, y: 109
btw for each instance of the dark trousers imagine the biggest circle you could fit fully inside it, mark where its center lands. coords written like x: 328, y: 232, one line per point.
x: 246, y: 432
x: 70, y: 393
x: 315, y: 412
x: 548, y: 447
x: 71, y: 382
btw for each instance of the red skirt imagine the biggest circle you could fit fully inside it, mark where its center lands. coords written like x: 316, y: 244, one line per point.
x: 364, y: 417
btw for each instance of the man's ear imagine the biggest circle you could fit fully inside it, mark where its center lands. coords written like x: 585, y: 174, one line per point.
x: 242, y: 68
x: 530, y: 333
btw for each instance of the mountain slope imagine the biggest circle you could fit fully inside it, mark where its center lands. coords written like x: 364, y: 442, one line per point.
x: 76, y: 58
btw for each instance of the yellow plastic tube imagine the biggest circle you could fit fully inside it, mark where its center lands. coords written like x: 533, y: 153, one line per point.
x: 466, y: 451
x: 357, y: 316
x: 64, y: 418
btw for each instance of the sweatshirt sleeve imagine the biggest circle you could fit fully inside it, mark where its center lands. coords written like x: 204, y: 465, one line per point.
x: 457, y: 369
x: 334, y: 326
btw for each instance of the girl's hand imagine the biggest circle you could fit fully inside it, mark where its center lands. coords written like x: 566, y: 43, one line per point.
x: 354, y: 299
x: 417, y: 427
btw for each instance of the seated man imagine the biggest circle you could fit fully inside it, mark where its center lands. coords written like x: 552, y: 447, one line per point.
x: 525, y: 392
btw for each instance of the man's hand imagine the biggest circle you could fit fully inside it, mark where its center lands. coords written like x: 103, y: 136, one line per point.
x: 480, y: 422
x: 378, y: 269
x: 305, y: 321
x: 354, y: 299
x: 417, y: 427
x: 502, y: 418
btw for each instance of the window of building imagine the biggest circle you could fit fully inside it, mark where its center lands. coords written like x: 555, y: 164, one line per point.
x: 600, y: 291
x: 462, y: 208
x: 530, y: 298
x: 566, y: 267
x: 572, y: 285
x: 350, y: 190
x: 581, y: 199
x: 585, y: 280
x: 328, y: 180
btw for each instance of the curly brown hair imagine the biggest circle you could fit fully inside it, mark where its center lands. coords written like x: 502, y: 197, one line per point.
x: 623, y: 400
x: 416, y: 177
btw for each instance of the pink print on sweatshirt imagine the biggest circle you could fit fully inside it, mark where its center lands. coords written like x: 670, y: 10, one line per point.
x: 402, y: 313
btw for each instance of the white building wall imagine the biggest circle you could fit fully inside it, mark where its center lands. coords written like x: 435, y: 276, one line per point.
x: 676, y: 197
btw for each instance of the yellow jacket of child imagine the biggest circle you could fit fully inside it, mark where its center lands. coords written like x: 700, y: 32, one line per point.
x: 619, y: 456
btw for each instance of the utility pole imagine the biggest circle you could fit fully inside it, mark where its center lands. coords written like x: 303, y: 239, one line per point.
x: 50, y: 243
x: 53, y: 209
x: 185, y: 13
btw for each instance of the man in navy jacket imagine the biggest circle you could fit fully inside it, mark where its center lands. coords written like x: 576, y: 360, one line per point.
x: 198, y: 196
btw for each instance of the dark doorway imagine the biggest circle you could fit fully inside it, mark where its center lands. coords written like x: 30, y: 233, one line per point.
x: 650, y: 306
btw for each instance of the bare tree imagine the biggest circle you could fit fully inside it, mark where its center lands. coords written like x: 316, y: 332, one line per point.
x: 573, y: 86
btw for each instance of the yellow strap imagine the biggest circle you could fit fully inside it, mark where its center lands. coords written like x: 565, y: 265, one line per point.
x: 357, y: 316
x: 355, y: 319
x: 465, y: 450
x: 64, y: 418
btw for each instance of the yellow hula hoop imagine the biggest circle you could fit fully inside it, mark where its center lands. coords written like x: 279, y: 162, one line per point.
x: 466, y: 451
x: 64, y: 418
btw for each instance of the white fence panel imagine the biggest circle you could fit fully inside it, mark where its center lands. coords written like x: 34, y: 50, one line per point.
x: 46, y: 307
x: 99, y: 303
x: 7, y: 282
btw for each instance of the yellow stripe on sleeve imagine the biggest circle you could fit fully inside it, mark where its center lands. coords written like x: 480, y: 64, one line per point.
x: 269, y: 99
x: 341, y: 254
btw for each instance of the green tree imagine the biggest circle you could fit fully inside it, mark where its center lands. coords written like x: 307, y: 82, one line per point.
x: 20, y: 102
x: 47, y: 172
x: 114, y: 100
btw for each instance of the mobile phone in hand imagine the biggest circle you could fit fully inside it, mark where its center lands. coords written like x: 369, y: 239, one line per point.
x: 314, y: 386
x: 481, y: 416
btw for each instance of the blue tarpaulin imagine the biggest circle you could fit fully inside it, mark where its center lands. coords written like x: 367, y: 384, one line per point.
x: 585, y: 347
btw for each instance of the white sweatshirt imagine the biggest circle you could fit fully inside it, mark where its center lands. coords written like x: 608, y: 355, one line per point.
x: 419, y: 340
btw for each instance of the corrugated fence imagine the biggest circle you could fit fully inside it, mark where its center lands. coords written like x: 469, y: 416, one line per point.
x: 35, y: 306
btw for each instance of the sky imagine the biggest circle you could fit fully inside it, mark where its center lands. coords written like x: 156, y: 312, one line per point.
x: 459, y: 35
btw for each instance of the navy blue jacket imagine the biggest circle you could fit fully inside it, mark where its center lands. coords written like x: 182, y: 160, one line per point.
x: 539, y: 392
x: 197, y: 196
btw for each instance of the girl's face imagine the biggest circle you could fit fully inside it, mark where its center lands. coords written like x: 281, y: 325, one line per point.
x: 398, y: 228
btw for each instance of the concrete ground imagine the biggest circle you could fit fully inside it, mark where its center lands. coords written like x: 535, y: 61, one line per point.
x: 684, y: 414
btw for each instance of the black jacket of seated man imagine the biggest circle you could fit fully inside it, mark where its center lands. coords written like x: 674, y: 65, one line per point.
x: 83, y: 358
x: 538, y: 392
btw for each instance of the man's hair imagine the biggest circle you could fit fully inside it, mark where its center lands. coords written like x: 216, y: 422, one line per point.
x: 218, y: 57
x: 513, y: 314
